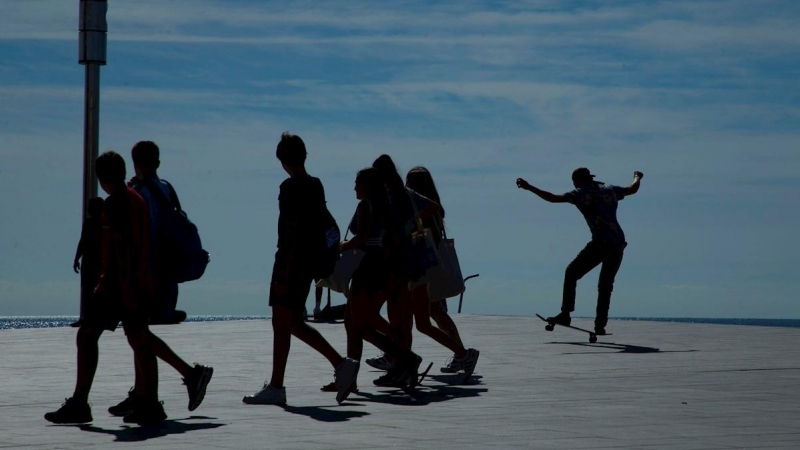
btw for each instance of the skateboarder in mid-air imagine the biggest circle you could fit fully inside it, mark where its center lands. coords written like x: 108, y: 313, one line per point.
x: 598, y: 204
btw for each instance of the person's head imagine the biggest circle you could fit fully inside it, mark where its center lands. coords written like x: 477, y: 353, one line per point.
x: 582, y: 177
x: 95, y: 207
x: 388, y: 172
x: 369, y: 184
x: 291, y: 152
x: 110, y: 169
x: 420, y: 180
x: 146, y: 158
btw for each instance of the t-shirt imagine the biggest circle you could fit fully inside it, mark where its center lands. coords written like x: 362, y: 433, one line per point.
x: 300, y: 200
x: 126, y: 236
x: 598, y: 204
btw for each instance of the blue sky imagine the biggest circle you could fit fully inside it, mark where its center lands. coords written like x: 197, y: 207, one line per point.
x: 701, y: 96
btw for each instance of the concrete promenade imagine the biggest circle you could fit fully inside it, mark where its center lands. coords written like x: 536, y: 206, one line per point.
x: 651, y: 385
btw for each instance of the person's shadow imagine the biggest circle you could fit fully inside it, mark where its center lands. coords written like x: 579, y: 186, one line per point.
x: 137, y: 433
x: 621, y: 348
x: 425, y: 393
x: 324, y: 414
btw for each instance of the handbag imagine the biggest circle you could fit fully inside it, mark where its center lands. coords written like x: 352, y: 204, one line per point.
x: 445, y: 280
x: 343, y: 271
x: 425, y: 251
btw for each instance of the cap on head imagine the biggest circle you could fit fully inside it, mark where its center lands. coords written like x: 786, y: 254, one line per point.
x: 582, y: 174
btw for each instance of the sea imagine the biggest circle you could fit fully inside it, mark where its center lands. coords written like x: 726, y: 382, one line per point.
x: 20, y: 322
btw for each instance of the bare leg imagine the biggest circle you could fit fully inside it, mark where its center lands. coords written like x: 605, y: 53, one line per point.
x: 282, y: 342
x: 444, y: 321
x: 422, y: 316
x: 88, y: 355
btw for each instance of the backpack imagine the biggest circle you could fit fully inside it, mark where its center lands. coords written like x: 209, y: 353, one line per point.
x: 325, y: 246
x: 181, y: 251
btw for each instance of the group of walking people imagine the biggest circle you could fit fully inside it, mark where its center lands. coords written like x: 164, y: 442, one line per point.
x: 388, y: 213
x: 132, y: 284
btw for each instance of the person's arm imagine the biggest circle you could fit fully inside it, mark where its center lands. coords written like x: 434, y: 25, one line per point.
x: 76, y: 265
x: 544, y: 195
x: 634, y: 187
x: 362, y: 226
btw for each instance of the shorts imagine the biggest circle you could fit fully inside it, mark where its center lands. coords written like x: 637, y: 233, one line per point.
x: 105, y: 312
x: 372, y: 273
x: 292, y: 291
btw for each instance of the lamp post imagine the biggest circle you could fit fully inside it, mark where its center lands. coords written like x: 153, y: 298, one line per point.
x: 92, y: 54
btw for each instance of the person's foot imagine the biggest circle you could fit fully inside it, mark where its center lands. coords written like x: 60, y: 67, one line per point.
x: 451, y: 366
x: 469, y: 361
x: 317, y: 310
x: 196, y: 384
x: 382, y: 362
x: 392, y: 378
x: 600, y: 325
x: 562, y: 318
x: 331, y: 387
x: 71, y: 411
x: 124, y: 407
x: 146, y: 412
x: 268, y: 395
x: 345, y: 378
x: 76, y: 324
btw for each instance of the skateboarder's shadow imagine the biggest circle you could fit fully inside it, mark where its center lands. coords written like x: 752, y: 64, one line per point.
x: 623, y: 348
x: 137, y: 433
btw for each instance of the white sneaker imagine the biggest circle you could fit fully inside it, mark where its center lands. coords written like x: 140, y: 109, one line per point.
x: 345, y: 378
x: 380, y: 362
x: 469, y: 361
x: 453, y: 365
x: 268, y: 395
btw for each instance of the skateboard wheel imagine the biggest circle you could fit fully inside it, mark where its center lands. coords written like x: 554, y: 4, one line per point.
x: 549, y: 327
x: 592, y: 339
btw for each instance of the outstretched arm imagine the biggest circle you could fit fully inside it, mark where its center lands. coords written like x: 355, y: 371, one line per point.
x: 634, y: 187
x: 544, y: 195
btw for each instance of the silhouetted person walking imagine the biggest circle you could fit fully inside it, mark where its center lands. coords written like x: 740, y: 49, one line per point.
x: 88, y: 256
x: 598, y: 204
x: 301, y: 202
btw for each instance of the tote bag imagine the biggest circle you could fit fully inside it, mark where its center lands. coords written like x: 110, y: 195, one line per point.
x: 339, y: 280
x: 445, y: 280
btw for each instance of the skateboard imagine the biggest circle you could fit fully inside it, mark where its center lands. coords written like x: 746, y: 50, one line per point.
x: 551, y: 325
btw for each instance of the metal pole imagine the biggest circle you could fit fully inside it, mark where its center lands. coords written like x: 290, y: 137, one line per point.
x: 91, y: 133
x: 91, y: 53
x: 461, y: 299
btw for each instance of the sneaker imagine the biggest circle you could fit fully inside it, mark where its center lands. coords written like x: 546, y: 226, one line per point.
x: 600, y: 325
x: 392, y: 378
x: 469, y: 361
x: 600, y: 331
x: 345, y: 378
x: 196, y: 384
x: 451, y: 366
x: 124, y: 407
x: 71, y: 411
x: 382, y: 362
x: 317, y: 310
x: 75, y: 324
x: 331, y: 387
x: 268, y: 395
x: 147, y: 413
x: 562, y: 318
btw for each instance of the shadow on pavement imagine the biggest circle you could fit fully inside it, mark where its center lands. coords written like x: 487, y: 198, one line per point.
x: 135, y: 433
x: 423, y: 394
x: 324, y: 414
x: 622, y: 348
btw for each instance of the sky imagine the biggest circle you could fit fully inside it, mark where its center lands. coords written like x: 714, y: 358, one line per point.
x: 701, y: 96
